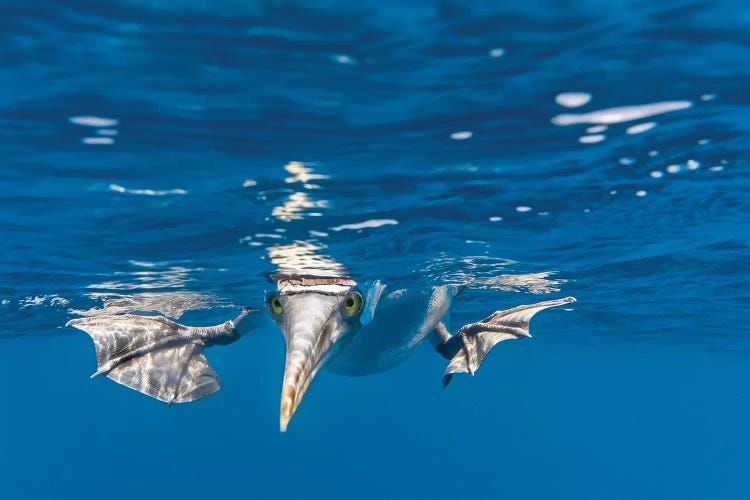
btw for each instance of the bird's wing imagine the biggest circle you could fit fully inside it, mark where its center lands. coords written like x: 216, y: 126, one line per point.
x: 155, y: 355
x: 469, y: 347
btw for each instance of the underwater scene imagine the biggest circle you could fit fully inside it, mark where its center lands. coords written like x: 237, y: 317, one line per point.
x: 368, y: 250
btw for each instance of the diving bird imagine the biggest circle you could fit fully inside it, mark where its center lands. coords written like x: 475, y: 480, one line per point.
x: 328, y: 321
x: 353, y: 330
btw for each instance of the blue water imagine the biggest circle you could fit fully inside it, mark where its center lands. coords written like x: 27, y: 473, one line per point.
x: 435, y: 125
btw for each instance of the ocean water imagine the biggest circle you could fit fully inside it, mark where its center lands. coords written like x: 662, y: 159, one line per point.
x: 179, y: 151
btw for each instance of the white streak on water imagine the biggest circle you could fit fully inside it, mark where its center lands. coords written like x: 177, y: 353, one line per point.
x: 142, y: 263
x: 100, y: 141
x: 345, y: 59
x: 497, y: 52
x: 462, y: 135
x: 53, y: 300
x: 93, y: 121
x: 621, y: 114
x: 673, y: 169
x: 596, y: 129
x: 146, y: 192
x: 366, y: 224
x: 641, y: 127
x: 573, y: 99
x: 591, y: 139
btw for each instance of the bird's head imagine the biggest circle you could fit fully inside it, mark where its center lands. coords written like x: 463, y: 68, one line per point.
x: 317, y: 317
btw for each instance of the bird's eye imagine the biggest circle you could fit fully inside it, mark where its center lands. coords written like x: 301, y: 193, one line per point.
x: 274, y: 304
x: 353, y: 304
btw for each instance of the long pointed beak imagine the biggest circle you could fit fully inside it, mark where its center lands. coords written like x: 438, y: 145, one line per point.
x: 309, y: 338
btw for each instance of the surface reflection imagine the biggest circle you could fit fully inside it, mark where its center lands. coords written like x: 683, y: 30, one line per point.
x: 304, y: 258
x: 295, y: 205
x: 299, y: 204
x: 489, y: 273
x: 149, y: 275
x: 170, y: 304
x: 622, y: 114
x: 302, y: 173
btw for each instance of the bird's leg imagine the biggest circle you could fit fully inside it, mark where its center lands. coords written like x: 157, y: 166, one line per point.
x: 468, y: 348
x: 443, y: 333
x: 450, y: 345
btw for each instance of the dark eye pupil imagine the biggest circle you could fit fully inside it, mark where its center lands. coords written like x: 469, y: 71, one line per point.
x: 276, y: 303
x: 349, y: 302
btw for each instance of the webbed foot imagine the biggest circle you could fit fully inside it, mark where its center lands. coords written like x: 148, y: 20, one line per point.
x: 471, y: 344
x: 157, y: 356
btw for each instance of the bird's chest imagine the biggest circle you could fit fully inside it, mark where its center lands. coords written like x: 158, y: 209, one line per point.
x: 403, y: 318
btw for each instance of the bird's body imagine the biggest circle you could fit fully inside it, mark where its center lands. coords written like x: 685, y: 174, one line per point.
x: 403, y: 319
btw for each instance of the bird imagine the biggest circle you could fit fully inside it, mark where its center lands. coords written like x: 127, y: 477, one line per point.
x: 328, y: 320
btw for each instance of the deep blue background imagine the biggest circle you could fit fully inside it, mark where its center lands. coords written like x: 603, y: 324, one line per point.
x: 639, y: 391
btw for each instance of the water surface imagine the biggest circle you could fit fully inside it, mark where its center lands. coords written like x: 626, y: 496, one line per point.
x: 523, y: 150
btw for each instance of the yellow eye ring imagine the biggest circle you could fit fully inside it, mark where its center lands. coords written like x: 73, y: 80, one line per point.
x: 274, y: 305
x: 353, y: 304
